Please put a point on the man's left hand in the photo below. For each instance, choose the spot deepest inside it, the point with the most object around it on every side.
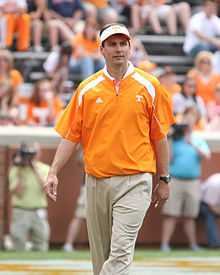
(161, 193)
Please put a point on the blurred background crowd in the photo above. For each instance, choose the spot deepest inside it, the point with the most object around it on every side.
(48, 46)
(60, 41)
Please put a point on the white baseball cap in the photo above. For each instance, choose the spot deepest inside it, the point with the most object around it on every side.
(114, 29)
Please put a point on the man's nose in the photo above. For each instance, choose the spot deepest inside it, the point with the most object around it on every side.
(118, 47)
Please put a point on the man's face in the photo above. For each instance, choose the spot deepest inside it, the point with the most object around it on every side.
(210, 8)
(116, 50)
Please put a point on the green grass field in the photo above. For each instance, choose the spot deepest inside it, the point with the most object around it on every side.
(146, 262)
(140, 254)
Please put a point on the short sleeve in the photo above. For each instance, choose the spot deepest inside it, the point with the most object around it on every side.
(70, 122)
(16, 78)
(162, 115)
(12, 177)
(200, 143)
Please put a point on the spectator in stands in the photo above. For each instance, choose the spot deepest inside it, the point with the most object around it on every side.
(168, 79)
(187, 151)
(7, 71)
(154, 11)
(139, 56)
(139, 53)
(187, 98)
(80, 212)
(43, 107)
(17, 21)
(86, 58)
(39, 14)
(68, 12)
(57, 65)
(203, 26)
(67, 88)
(210, 209)
(99, 4)
(206, 79)
(183, 12)
(128, 13)
(2, 28)
(107, 16)
(8, 111)
(213, 110)
(27, 176)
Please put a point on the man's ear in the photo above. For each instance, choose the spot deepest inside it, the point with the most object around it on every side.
(130, 51)
(101, 49)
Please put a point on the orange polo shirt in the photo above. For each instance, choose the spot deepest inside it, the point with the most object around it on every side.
(116, 127)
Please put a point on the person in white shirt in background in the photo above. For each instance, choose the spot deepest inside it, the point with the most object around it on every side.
(2, 28)
(210, 209)
(202, 26)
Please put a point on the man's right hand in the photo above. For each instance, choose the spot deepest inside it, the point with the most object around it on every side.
(19, 190)
(50, 186)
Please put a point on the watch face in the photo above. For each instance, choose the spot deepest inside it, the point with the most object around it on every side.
(165, 178)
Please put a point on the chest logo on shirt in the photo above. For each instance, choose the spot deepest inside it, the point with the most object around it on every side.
(139, 98)
(99, 100)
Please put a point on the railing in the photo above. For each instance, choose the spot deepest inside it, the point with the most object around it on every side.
(48, 138)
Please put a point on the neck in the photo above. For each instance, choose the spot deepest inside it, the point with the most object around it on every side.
(118, 71)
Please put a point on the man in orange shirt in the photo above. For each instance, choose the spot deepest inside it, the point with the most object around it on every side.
(121, 116)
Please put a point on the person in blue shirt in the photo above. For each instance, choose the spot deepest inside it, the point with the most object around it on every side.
(187, 151)
(64, 15)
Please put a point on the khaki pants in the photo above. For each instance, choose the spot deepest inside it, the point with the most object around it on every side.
(116, 208)
(26, 221)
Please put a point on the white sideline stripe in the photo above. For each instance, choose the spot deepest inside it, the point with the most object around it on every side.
(165, 266)
(89, 86)
(147, 84)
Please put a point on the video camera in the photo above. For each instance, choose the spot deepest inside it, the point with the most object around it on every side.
(178, 131)
(24, 155)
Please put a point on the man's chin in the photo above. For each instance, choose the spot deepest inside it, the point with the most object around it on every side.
(119, 62)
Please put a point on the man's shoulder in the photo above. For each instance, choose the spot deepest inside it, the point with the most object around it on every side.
(92, 80)
(147, 77)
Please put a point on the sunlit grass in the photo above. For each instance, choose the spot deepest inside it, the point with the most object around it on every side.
(140, 254)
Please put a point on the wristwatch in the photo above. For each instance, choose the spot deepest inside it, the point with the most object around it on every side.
(165, 179)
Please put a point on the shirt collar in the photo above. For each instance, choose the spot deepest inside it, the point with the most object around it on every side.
(130, 70)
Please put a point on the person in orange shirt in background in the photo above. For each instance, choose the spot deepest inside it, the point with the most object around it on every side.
(168, 79)
(121, 116)
(10, 81)
(99, 4)
(7, 71)
(206, 79)
(8, 110)
(86, 57)
(213, 111)
(42, 108)
(17, 21)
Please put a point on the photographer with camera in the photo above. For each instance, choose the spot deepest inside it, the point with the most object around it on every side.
(27, 176)
(187, 149)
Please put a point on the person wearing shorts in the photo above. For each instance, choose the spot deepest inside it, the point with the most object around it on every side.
(187, 151)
